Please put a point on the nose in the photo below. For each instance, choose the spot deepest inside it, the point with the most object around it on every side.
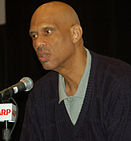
(40, 49)
(38, 43)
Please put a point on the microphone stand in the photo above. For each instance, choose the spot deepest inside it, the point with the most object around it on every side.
(6, 132)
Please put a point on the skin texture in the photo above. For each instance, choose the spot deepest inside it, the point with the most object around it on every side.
(57, 40)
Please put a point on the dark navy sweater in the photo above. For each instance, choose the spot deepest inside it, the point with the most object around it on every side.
(105, 113)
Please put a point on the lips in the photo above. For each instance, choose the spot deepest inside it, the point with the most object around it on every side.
(44, 57)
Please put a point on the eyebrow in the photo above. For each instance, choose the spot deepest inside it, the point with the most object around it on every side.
(42, 28)
(32, 32)
(47, 27)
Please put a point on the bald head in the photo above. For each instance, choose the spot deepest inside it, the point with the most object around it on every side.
(57, 10)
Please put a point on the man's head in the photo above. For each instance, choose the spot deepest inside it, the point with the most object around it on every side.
(57, 35)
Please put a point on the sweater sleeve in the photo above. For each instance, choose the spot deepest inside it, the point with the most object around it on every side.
(118, 121)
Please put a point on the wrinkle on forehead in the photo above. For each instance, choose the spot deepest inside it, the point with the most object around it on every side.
(56, 11)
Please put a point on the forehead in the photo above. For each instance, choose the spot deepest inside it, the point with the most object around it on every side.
(46, 14)
(42, 25)
(40, 21)
(49, 15)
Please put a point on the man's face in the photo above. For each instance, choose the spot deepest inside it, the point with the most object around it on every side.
(52, 41)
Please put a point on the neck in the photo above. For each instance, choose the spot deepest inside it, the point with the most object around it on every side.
(73, 73)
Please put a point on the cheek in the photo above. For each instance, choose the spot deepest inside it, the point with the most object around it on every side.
(56, 45)
(59, 45)
(61, 42)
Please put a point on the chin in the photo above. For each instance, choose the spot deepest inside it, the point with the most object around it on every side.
(48, 66)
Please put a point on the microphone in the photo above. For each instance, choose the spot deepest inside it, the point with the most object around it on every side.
(25, 84)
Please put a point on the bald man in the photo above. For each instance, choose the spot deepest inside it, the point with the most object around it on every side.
(85, 96)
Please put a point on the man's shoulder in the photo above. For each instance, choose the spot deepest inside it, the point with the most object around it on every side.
(46, 83)
(48, 77)
(110, 64)
(110, 76)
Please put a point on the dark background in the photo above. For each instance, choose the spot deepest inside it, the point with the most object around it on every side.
(107, 30)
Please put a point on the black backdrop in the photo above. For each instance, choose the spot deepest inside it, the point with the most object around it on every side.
(107, 30)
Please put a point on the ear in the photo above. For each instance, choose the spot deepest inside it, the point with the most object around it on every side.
(76, 33)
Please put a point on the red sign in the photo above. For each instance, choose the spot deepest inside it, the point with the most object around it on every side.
(5, 111)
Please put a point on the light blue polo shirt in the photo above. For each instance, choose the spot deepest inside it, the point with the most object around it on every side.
(74, 103)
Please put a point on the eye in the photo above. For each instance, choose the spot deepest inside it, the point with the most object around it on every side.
(47, 31)
(34, 36)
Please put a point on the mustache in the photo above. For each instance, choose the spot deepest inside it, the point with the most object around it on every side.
(41, 50)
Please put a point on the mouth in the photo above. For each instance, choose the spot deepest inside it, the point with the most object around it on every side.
(44, 58)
